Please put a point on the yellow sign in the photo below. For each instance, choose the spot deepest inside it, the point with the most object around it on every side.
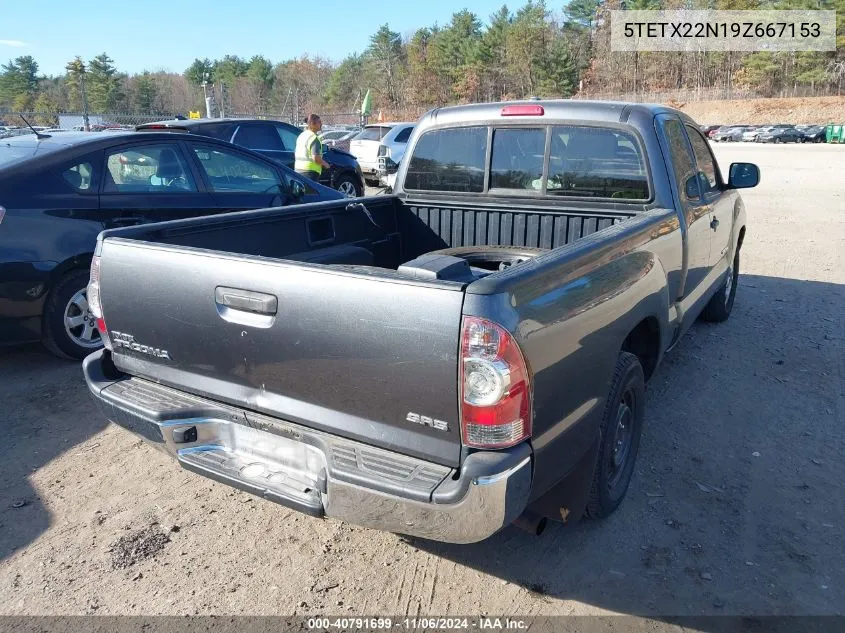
(194, 115)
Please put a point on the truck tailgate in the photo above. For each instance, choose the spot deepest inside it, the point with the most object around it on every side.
(349, 354)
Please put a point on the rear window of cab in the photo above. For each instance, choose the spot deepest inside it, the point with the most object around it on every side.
(557, 161)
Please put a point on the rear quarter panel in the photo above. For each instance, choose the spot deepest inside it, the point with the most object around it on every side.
(570, 311)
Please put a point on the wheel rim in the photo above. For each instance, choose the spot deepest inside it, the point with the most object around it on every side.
(623, 439)
(80, 324)
(347, 188)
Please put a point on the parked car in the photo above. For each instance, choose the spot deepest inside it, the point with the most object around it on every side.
(338, 139)
(494, 321)
(58, 193)
(753, 133)
(375, 141)
(781, 135)
(715, 131)
(731, 134)
(276, 140)
(814, 134)
(392, 149)
(706, 129)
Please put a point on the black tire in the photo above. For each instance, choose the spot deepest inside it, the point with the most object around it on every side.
(719, 307)
(346, 183)
(57, 339)
(621, 428)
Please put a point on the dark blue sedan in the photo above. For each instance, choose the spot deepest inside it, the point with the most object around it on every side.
(58, 192)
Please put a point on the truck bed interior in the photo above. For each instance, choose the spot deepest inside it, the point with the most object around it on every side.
(424, 241)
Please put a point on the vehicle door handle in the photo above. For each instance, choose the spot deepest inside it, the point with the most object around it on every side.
(246, 300)
(714, 223)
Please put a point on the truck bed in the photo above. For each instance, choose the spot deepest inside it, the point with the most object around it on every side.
(330, 315)
(394, 230)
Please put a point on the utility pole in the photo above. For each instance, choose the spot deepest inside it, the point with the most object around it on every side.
(222, 100)
(86, 125)
(205, 79)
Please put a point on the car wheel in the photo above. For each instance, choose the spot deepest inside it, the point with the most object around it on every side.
(621, 428)
(719, 307)
(346, 185)
(777, 140)
(70, 330)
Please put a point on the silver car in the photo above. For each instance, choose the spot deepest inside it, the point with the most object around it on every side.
(731, 134)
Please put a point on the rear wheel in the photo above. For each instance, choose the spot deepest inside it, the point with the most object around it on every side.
(70, 330)
(720, 305)
(621, 428)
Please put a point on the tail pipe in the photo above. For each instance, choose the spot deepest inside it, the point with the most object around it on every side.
(531, 522)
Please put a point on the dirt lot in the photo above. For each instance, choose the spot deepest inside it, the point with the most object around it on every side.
(815, 110)
(735, 507)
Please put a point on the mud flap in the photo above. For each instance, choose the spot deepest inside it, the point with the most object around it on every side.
(567, 500)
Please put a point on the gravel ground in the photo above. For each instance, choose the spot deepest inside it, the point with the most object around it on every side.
(735, 507)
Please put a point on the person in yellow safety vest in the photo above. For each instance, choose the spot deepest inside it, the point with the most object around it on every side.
(309, 150)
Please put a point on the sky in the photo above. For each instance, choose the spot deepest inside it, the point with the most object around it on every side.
(157, 35)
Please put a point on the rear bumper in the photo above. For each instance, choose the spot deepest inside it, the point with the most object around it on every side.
(368, 167)
(317, 473)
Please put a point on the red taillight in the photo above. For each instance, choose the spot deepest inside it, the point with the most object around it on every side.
(495, 387)
(523, 110)
(95, 303)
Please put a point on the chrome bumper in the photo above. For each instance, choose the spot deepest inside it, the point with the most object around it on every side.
(317, 473)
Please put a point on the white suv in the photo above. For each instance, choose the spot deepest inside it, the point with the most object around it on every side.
(380, 143)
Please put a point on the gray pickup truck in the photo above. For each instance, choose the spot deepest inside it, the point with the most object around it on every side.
(468, 353)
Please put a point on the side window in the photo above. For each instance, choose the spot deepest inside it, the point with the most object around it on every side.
(517, 161)
(449, 160)
(682, 163)
(158, 168)
(231, 171)
(258, 136)
(705, 161)
(79, 176)
(288, 137)
(404, 135)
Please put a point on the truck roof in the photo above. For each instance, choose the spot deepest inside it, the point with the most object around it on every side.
(563, 109)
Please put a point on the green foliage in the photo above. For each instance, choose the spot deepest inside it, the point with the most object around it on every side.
(385, 61)
(229, 69)
(201, 70)
(345, 83)
(19, 83)
(145, 93)
(75, 82)
(104, 85)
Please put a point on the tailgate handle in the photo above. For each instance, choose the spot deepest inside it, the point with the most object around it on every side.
(246, 300)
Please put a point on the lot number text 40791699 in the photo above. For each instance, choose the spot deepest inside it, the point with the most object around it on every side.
(419, 623)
